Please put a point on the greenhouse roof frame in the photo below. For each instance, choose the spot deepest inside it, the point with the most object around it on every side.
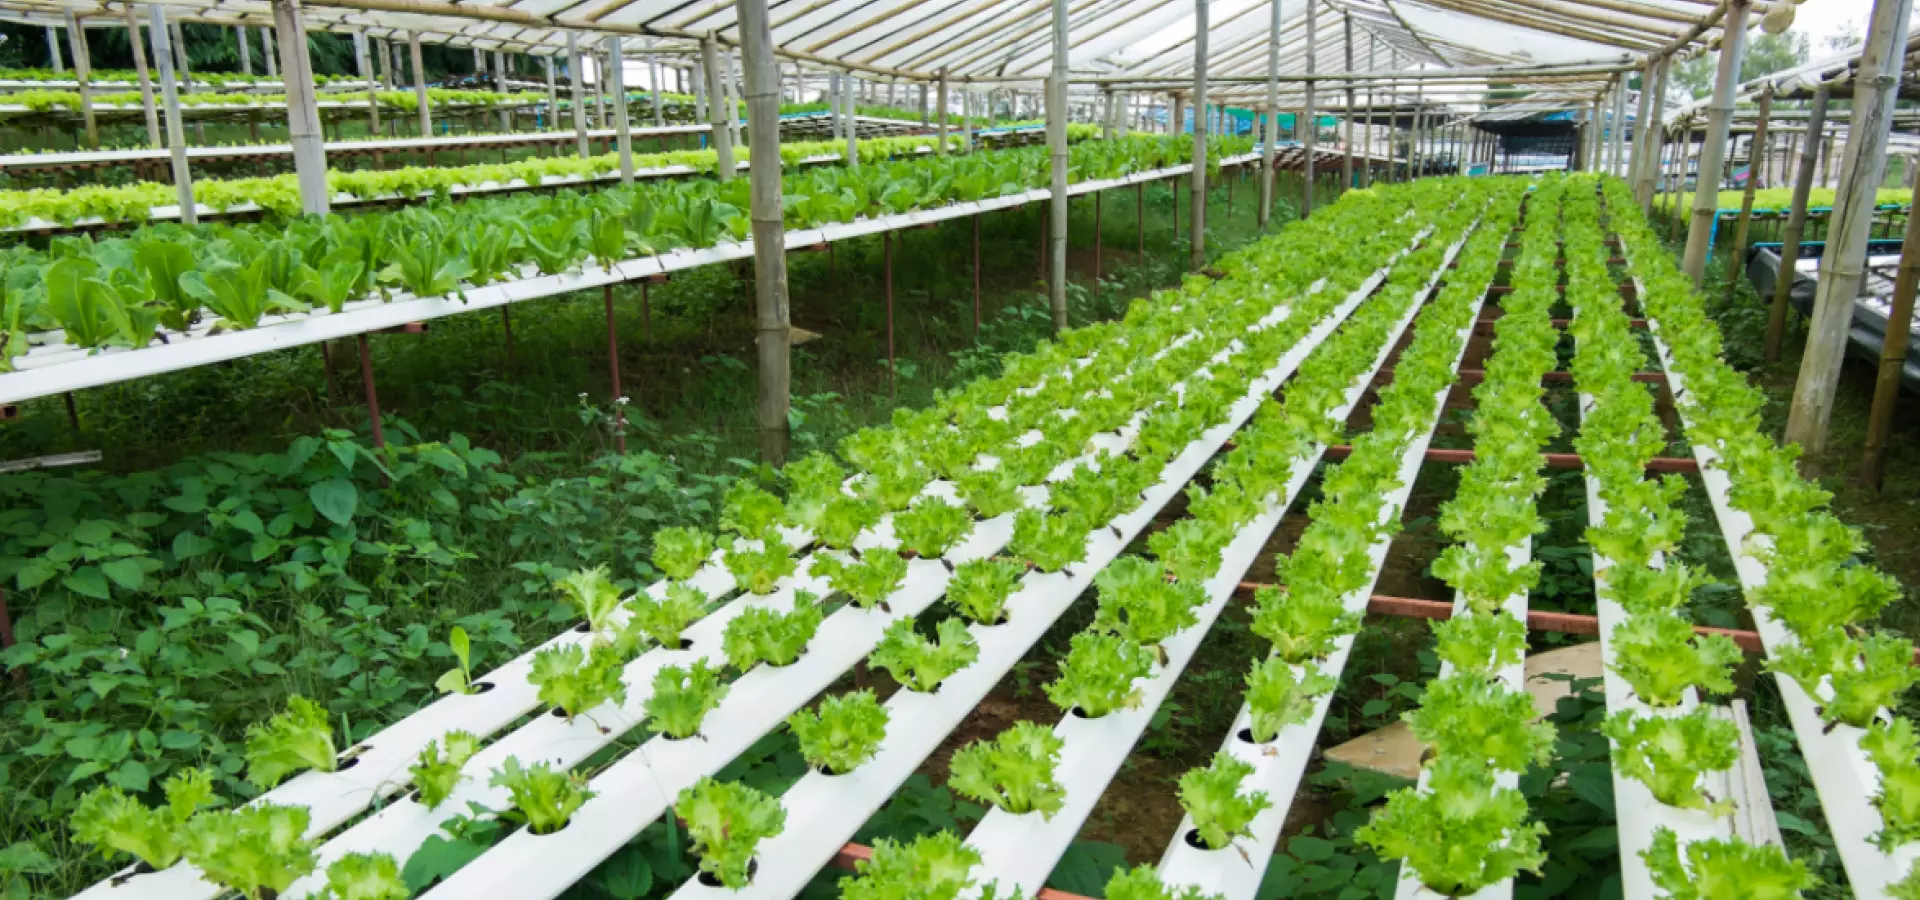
(1141, 44)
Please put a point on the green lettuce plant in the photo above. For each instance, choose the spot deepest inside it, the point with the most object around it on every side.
(919, 664)
(1014, 771)
(543, 799)
(842, 733)
(1211, 796)
(727, 820)
(295, 739)
(437, 771)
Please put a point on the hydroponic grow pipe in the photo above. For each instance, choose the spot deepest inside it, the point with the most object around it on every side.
(824, 811)
(49, 370)
(1234, 873)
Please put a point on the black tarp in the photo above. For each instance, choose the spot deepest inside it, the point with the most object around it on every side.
(1869, 312)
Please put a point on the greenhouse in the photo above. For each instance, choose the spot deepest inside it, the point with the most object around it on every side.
(955, 449)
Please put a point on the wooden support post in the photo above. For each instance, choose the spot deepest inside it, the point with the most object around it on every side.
(500, 84)
(139, 48)
(654, 91)
(1057, 152)
(1097, 246)
(176, 128)
(576, 75)
(940, 126)
(1796, 225)
(53, 50)
(771, 325)
(423, 108)
(849, 125)
(303, 116)
(1617, 130)
(267, 53)
(622, 127)
(1842, 266)
(1713, 152)
(886, 279)
(1198, 246)
(1648, 146)
(553, 95)
(1271, 135)
(616, 393)
(1309, 120)
(365, 70)
(506, 329)
(1736, 254)
(1346, 116)
(732, 93)
(83, 73)
(976, 275)
(1893, 353)
(366, 355)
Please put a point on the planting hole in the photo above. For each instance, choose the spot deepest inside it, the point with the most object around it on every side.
(711, 880)
(1193, 840)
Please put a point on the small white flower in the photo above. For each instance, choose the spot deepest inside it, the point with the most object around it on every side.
(622, 401)
(583, 395)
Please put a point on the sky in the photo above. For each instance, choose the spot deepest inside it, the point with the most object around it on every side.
(1819, 18)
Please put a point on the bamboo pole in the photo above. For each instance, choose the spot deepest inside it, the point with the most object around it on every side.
(1616, 153)
(622, 126)
(139, 48)
(365, 67)
(553, 94)
(53, 49)
(83, 73)
(940, 127)
(576, 73)
(1057, 147)
(731, 74)
(303, 116)
(833, 105)
(1756, 161)
(1272, 134)
(176, 130)
(1198, 246)
(267, 53)
(240, 40)
(849, 97)
(654, 91)
(1346, 115)
(1366, 171)
(1713, 151)
(1307, 118)
(699, 92)
(1647, 133)
(1893, 352)
(500, 84)
(719, 114)
(1843, 263)
(773, 334)
(422, 107)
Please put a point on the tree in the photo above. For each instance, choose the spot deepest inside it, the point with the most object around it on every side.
(1766, 54)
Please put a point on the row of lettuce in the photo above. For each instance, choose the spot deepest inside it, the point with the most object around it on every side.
(1672, 742)
(126, 204)
(405, 101)
(1463, 828)
(989, 439)
(127, 291)
(1815, 586)
(280, 194)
